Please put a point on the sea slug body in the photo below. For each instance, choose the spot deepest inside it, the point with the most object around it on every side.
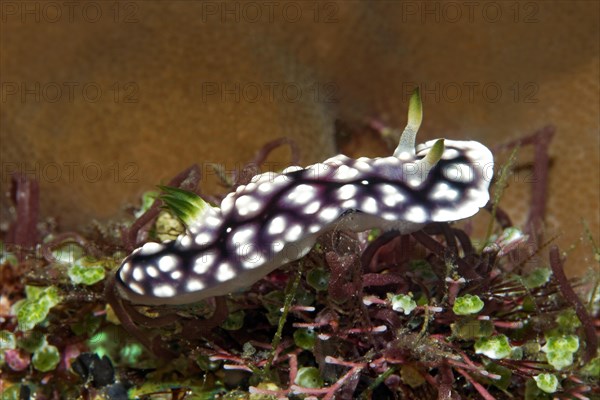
(276, 218)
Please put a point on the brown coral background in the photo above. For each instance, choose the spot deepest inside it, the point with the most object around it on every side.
(352, 60)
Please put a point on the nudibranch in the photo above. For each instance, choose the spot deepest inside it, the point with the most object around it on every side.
(277, 217)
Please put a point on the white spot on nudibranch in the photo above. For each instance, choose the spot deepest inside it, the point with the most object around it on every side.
(281, 179)
(277, 246)
(321, 171)
(243, 201)
(167, 263)
(265, 187)
(151, 248)
(164, 290)
(390, 162)
(225, 272)
(265, 177)
(406, 155)
(392, 200)
(345, 172)
(247, 205)
(444, 215)
(459, 173)
(194, 285)
(138, 273)
(203, 263)
(194, 229)
(253, 259)
(443, 191)
(125, 268)
(302, 194)
(292, 168)
(202, 239)
(348, 204)
(212, 221)
(136, 288)
(369, 205)
(389, 216)
(347, 192)
(242, 236)
(152, 271)
(276, 226)
(414, 182)
(449, 154)
(386, 188)
(312, 207)
(184, 240)
(416, 214)
(175, 275)
(293, 233)
(227, 203)
(329, 214)
(380, 162)
(251, 187)
(362, 164)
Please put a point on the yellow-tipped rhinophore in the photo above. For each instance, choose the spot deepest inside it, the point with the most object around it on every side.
(435, 153)
(415, 116)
